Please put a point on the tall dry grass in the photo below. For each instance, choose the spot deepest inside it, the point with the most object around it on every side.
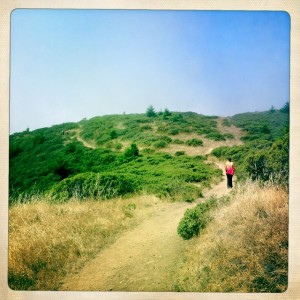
(244, 248)
(47, 241)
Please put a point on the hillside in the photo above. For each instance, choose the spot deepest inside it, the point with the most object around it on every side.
(168, 204)
(137, 152)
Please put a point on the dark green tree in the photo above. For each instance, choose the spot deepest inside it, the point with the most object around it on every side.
(150, 112)
(285, 108)
(132, 151)
(166, 113)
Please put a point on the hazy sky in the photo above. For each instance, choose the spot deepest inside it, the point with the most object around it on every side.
(67, 65)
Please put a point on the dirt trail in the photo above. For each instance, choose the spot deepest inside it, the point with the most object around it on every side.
(146, 258)
(84, 142)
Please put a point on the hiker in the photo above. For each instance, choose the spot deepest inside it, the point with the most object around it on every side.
(229, 168)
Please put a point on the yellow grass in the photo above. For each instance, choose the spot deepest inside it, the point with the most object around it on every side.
(47, 241)
(244, 248)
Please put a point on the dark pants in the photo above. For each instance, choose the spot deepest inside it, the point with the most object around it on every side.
(229, 180)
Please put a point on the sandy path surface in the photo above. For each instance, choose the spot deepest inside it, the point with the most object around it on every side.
(144, 259)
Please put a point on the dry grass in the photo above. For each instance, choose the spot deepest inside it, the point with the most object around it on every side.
(245, 247)
(47, 241)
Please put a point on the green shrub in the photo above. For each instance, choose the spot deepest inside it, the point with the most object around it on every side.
(177, 118)
(146, 127)
(228, 136)
(147, 151)
(178, 142)
(118, 146)
(130, 153)
(194, 142)
(173, 131)
(160, 144)
(195, 219)
(179, 153)
(93, 185)
(189, 226)
(216, 136)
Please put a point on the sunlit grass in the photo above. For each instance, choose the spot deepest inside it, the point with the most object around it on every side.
(244, 248)
(47, 241)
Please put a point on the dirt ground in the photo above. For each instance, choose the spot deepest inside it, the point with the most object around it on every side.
(146, 258)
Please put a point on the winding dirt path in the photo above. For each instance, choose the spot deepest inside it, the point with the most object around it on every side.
(146, 258)
(84, 142)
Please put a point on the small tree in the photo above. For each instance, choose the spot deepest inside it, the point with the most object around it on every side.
(285, 108)
(150, 112)
(132, 151)
(166, 113)
(272, 109)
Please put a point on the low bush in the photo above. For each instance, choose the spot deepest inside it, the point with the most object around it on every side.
(146, 127)
(178, 142)
(179, 153)
(194, 142)
(216, 136)
(93, 185)
(195, 219)
(228, 136)
(159, 144)
(173, 131)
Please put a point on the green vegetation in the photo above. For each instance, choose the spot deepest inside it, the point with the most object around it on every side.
(41, 159)
(92, 185)
(61, 171)
(244, 246)
(256, 253)
(194, 142)
(196, 219)
(48, 159)
(264, 155)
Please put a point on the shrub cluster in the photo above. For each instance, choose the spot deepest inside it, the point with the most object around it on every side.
(194, 142)
(195, 219)
(93, 185)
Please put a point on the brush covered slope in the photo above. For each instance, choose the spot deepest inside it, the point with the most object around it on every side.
(240, 243)
(57, 173)
(264, 155)
(120, 154)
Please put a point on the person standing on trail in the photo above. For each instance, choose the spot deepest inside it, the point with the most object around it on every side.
(229, 168)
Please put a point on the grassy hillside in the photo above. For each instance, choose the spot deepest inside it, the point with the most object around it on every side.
(265, 152)
(129, 147)
(238, 243)
(143, 152)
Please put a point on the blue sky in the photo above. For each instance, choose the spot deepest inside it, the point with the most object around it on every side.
(67, 65)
